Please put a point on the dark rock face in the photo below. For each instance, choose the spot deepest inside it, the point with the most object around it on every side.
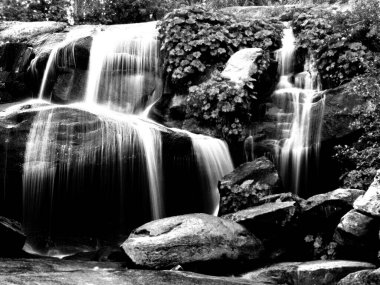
(322, 212)
(12, 238)
(54, 271)
(243, 187)
(363, 277)
(308, 273)
(14, 61)
(338, 112)
(190, 239)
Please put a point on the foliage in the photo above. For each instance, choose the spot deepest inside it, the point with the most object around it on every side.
(36, 10)
(360, 161)
(321, 248)
(342, 42)
(222, 104)
(193, 39)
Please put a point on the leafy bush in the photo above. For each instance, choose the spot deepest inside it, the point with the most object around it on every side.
(360, 161)
(321, 249)
(36, 10)
(342, 42)
(221, 104)
(193, 39)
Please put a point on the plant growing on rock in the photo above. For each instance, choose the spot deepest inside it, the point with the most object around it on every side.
(341, 42)
(320, 247)
(360, 160)
(193, 39)
(221, 104)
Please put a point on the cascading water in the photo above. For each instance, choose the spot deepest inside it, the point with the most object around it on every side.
(300, 119)
(93, 168)
(122, 67)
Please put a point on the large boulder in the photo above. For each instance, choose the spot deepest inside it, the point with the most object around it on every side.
(308, 273)
(12, 237)
(363, 277)
(249, 182)
(191, 239)
(370, 202)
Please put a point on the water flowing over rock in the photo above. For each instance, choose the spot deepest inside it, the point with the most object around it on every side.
(107, 166)
(243, 187)
(189, 239)
(298, 119)
(309, 273)
(121, 71)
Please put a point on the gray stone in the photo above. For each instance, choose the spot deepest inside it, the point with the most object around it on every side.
(264, 217)
(242, 65)
(192, 238)
(363, 277)
(358, 224)
(54, 271)
(309, 273)
(249, 182)
(370, 201)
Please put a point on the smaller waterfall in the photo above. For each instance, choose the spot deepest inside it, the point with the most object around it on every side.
(299, 122)
(123, 63)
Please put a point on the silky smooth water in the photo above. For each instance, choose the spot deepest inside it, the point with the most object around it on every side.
(300, 119)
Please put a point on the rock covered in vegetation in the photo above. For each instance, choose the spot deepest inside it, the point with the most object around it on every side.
(12, 237)
(309, 273)
(189, 239)
(243, 187)
(242, 65)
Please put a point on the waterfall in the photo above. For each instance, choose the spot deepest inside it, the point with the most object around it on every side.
(101, 166)
(300, 119)
(123, 63)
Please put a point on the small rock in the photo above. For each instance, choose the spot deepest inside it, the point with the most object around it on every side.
(192, 238)
(370, 201)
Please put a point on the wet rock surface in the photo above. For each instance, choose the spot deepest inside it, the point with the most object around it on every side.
(189, 239)
(308, 273)
(12, 237)
(54, 271)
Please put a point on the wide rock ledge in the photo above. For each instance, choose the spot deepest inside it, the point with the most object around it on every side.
(190, 239)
